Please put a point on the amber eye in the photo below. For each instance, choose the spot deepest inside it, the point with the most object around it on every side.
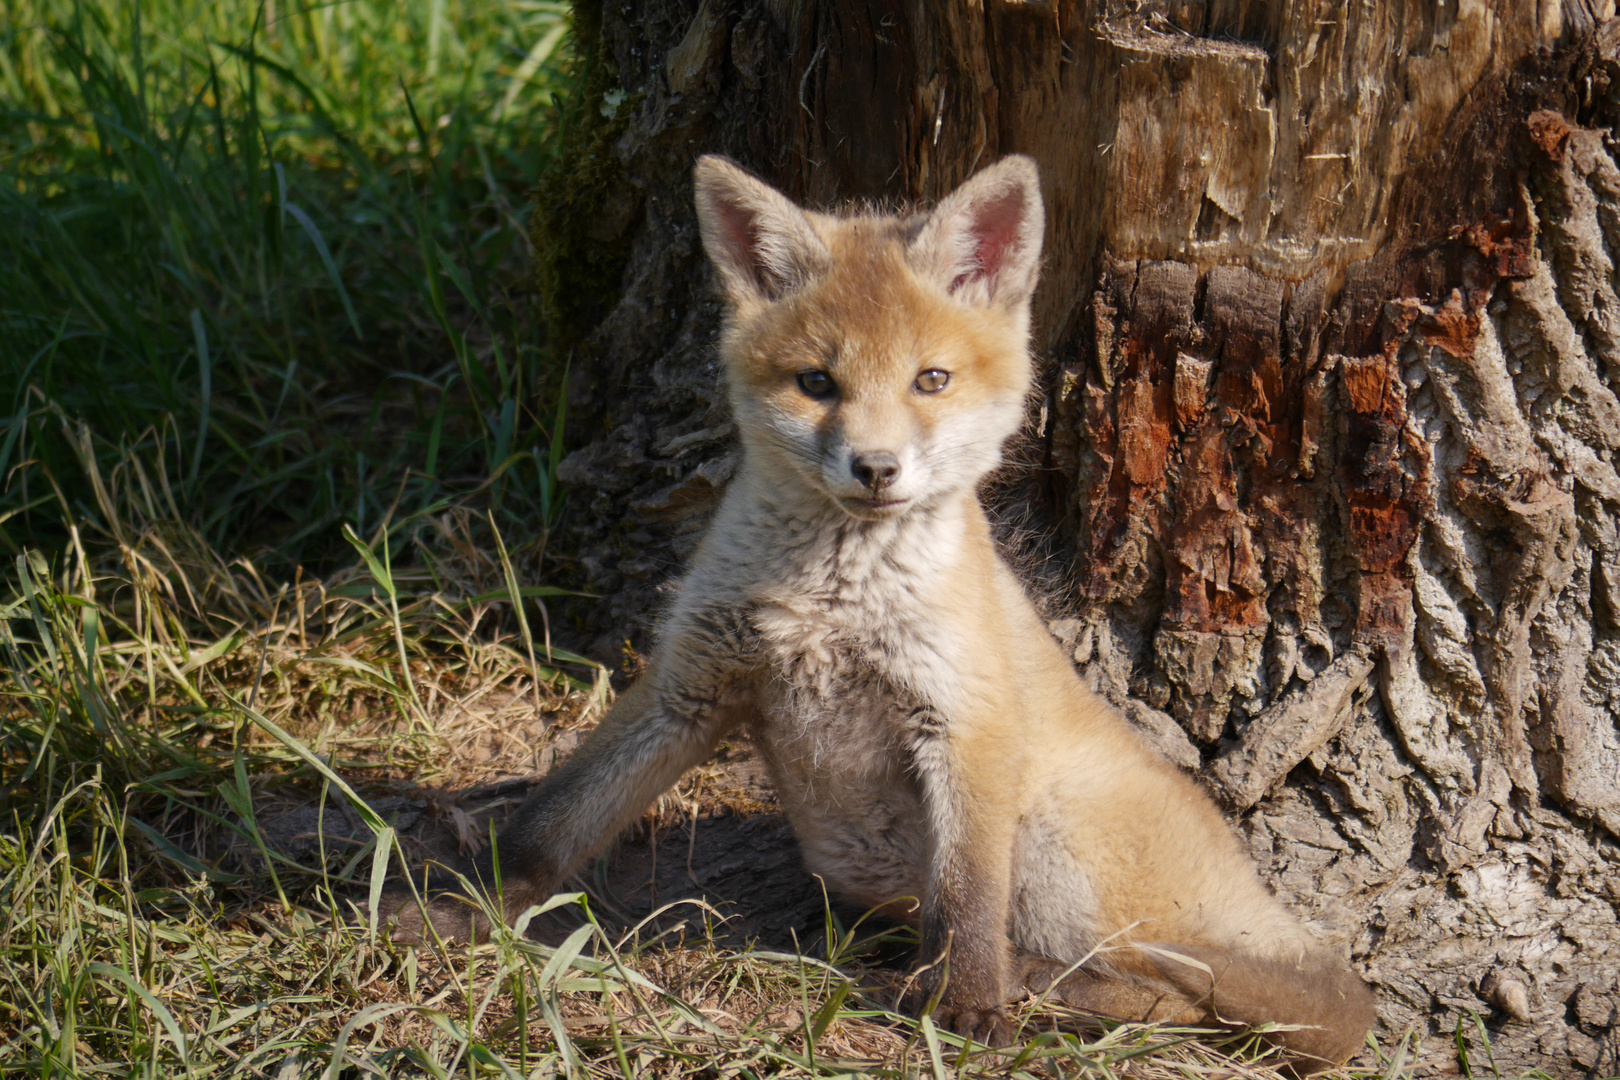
(933, 380)
(817, 384)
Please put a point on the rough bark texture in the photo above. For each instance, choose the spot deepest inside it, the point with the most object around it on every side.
(1325, 462)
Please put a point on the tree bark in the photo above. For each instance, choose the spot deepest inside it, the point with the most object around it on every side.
(1322, 475)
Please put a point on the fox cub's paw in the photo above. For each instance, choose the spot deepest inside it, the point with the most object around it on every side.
(984, 1024)
(448, 912)
(449, 916)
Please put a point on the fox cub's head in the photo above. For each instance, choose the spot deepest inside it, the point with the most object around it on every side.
(878, 361)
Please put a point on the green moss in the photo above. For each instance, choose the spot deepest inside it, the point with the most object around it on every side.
(585, 210)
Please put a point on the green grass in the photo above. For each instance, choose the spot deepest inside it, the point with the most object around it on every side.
(155, 704)
(274, 257)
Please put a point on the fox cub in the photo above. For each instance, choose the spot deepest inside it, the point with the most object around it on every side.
(926, 735)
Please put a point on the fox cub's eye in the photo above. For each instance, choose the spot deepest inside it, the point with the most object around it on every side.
(817, 384)
(933, 380)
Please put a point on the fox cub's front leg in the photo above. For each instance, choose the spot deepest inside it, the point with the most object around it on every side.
(965, 909)
(698, 688)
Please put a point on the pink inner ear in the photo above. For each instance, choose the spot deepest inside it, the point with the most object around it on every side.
(994, 226)
(741, 236)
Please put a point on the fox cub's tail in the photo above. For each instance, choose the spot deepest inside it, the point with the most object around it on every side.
(1329, 1005)
(1326, 1007)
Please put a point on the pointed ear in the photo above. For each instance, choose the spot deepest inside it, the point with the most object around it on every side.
(982, 244)
(762, 245)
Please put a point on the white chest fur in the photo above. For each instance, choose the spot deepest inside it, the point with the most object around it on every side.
(849, 624)
(852, 601)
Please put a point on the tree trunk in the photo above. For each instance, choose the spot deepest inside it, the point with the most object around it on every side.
(1323, 473)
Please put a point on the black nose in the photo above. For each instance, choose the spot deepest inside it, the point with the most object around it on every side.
(876, 470)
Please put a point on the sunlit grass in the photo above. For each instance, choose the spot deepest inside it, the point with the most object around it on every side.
(157, 703)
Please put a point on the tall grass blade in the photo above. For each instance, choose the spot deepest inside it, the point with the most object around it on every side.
(538, 55)
(153, 1005)
(205, 396)
(315, 237)
(372, 819)
(379, 876)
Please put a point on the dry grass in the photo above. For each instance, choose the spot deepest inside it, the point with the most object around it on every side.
(167, 715)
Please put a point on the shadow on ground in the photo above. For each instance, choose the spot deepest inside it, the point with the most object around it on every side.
(719, 838)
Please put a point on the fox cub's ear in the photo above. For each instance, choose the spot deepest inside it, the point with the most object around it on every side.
(762, 245)
(982, 244)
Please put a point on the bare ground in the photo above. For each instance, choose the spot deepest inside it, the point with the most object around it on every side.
(719, 837)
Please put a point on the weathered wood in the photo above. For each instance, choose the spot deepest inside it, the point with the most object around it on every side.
(1331, 343)
(1289, 731)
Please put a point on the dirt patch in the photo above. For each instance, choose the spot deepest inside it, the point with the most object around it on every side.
(718, 837)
